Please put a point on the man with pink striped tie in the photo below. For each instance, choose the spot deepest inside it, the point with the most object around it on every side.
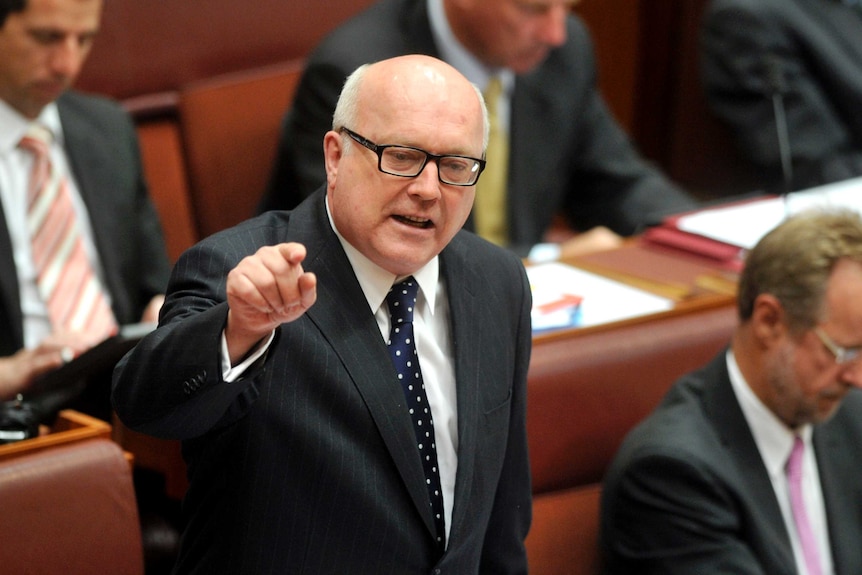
(81, 248)
(751, 465)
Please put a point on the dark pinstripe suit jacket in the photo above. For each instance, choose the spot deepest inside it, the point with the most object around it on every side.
(307, 464)
(688, 492)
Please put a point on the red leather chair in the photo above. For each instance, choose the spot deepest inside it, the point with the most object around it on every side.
(69, 509)
(584, 394)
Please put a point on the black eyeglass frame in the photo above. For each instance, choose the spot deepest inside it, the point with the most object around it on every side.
(378, 149)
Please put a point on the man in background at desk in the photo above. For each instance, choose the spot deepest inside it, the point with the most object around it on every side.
(281, 359)
(555, 147)
(786, 76)
(81, 248)
(751, 465)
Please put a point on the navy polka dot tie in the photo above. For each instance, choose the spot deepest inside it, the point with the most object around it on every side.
(401, 300)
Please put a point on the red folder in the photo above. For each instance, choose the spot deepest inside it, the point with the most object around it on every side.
(668, 235)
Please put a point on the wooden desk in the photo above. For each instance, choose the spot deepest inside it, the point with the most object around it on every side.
(691, 282)
(71, 426)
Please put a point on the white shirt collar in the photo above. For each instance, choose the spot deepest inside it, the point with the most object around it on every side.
(376, 282)
(773, 438)
(13, 125)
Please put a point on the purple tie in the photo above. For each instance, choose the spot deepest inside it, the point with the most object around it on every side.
(401, 300)
(797, 504)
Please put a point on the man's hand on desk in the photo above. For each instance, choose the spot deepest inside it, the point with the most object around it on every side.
(564, 243)
(597, 239)
(19, 371)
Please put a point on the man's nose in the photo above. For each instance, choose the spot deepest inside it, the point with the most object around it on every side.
(552, 29)
(68, 57)
(852, 374)
(427, 183)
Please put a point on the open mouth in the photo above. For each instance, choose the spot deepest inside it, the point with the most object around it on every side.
(420, 223)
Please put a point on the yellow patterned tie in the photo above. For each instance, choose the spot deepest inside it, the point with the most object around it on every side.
(489, 209)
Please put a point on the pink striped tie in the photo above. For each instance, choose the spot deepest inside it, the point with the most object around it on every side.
(797, 505)
(67, 283)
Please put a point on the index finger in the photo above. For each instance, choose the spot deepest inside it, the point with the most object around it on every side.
(292, 252)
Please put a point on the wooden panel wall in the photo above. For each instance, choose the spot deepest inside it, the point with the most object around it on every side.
(615, 27)
(148, 46)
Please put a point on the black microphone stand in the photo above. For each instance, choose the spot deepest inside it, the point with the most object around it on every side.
(778, 88)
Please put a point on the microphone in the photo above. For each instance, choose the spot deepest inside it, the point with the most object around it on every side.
(777, 85)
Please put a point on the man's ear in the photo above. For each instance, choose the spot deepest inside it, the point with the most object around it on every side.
(333, 150)
(768, 320)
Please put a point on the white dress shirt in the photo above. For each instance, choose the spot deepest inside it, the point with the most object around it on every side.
(775, 441)
(434, 346)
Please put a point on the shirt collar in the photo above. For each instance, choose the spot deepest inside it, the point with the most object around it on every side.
(453, 52)
(376, 282)
(13, 125)
(773, 438)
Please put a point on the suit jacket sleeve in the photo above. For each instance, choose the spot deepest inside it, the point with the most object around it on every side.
(750, 50)
(667, 514)
(612, 184)
(571, 156)
(183, 356)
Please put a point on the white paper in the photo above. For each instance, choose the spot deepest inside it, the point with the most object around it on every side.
(744, 224)
(603, 300)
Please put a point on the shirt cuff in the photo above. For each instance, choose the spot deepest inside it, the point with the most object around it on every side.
(541, 253)
(230, 373)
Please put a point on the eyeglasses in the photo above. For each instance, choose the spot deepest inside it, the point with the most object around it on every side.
(408, 162)
(843, 355)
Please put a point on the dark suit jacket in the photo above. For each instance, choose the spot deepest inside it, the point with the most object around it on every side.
(688, 491)
(307, 464)
(102, 148)
(813, 49)
(568, 154)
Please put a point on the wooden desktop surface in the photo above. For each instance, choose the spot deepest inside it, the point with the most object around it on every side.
(692, 282)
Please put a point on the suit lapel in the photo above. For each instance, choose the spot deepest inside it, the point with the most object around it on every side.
(838, 466)
(341, 314)
(93, 172)
(722, 408)
(462, 287)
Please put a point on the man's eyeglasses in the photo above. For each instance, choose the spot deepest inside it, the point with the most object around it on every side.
(843, 355)
(408, 162)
